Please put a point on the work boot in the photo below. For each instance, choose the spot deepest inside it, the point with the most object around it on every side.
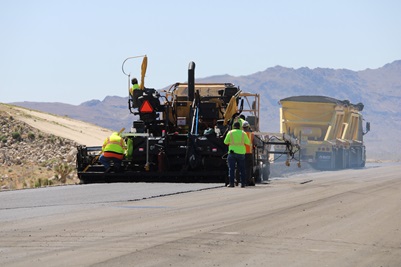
(230, 185)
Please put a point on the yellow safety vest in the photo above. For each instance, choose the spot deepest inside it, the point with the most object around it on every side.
(240, 120)
(133, 87)
(236, 140)
(114, 143)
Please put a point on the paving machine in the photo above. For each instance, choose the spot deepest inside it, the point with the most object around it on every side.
(178, 136)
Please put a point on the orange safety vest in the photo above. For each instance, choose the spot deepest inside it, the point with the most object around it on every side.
(249, 148)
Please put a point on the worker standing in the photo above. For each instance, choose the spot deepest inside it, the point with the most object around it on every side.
(248, 153)
(113, 150)
(240, 119)
(236, 140)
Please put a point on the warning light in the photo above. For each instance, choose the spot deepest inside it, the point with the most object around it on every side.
(146, 107)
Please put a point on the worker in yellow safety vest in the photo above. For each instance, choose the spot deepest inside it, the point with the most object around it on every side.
(135, 92)
(134, 86)
(236, 139)
(240, 119)
(113, 150)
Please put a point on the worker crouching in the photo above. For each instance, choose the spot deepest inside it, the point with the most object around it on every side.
(113, 150)
(236, 140)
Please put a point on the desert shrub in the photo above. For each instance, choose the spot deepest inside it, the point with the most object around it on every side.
(62, 170)
(31, 136)
(52, 139)
(16, 136)
(38, 183)
(43, 182)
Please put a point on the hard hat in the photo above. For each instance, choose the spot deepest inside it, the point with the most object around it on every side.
(245, 124)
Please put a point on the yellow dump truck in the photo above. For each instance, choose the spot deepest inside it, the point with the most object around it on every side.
(329, 131)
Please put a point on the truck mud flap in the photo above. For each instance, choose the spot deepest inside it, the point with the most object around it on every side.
(324, 161)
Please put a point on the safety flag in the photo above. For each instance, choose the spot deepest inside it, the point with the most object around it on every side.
(143, 72)
(230, 110)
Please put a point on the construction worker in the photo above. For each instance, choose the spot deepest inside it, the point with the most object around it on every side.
(113, 150)
(240, 119)
(236, 139)
(249, 153)
(135, 92)
(134, 86)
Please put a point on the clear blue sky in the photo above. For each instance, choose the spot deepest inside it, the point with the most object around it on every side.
(71, 51)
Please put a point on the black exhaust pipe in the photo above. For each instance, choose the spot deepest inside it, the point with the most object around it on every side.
(191, 81)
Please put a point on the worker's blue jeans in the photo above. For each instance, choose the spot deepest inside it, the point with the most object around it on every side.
(239, 160)
(106, 162)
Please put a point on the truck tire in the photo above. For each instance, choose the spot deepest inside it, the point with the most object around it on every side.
(251, 181)
(257, 175)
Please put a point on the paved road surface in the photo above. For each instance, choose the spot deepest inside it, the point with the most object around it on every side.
(342, 218)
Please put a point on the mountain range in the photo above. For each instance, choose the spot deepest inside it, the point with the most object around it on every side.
(378, 89)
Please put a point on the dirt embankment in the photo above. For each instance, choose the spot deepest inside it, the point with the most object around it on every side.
(39, 149)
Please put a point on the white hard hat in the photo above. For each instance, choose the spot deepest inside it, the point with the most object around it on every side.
(245, 124)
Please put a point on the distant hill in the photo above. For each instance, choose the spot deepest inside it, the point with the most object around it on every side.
(378, 89)
(111, 113)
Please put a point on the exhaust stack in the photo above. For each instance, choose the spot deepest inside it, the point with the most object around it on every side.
(191, 81)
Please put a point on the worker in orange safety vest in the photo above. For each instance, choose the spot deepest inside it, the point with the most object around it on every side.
(249, 153)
